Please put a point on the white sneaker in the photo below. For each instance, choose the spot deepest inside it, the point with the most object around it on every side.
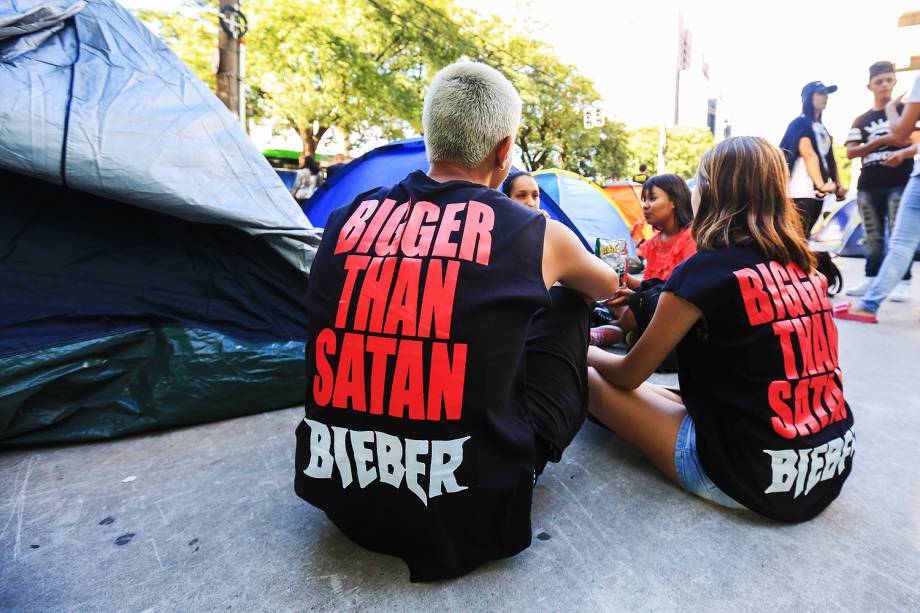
(901, 293)
(862, 288)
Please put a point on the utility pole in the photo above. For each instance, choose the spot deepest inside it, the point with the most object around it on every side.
(232, 29)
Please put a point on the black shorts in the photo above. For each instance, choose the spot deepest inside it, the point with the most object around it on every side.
(809, 210)
(557, 373)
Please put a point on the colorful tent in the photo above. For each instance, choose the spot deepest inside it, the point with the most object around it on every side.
(588, 208)
(627, 197)
(153, 265)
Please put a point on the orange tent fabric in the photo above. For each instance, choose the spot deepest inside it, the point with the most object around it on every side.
(626, 195)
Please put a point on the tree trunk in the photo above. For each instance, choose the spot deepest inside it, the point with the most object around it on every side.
(308, 146)
(346, 143)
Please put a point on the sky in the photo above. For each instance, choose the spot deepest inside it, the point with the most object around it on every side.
(760, 53)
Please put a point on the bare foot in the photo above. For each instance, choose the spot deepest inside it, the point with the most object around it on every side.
(855, 313)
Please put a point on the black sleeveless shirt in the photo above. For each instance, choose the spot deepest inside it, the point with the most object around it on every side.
(415, 441)
(761, 379)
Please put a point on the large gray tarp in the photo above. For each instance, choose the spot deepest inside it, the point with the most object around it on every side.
(90, 98)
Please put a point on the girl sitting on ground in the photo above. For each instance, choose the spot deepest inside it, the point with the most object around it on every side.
(522, 187)
(666, 205)
(760, 421)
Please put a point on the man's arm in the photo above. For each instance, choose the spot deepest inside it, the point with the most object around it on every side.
(856, 150)
(902, 124)
(898, 157)
(567, 261)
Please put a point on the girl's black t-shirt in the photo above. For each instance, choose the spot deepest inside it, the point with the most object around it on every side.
(416, 442)
(759, 375)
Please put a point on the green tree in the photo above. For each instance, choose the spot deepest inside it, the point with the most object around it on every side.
(599, 154)
(353, 65)
(555, 96)
(643, 149)
(357, 63)
(844, 165)
(684, 146)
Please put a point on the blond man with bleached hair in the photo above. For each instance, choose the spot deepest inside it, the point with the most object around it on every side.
(424, 434)
(469, 108)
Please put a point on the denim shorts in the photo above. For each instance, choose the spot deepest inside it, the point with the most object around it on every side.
(690, 473)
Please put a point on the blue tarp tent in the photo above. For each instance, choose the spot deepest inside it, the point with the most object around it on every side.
(152, 264)
(585, 211)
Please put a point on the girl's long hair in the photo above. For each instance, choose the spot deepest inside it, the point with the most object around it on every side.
(743, 200)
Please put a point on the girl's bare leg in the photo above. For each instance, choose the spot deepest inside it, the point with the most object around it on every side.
(648, 418)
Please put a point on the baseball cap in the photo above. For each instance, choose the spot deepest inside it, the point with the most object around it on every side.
(880, 68)
(817, 87)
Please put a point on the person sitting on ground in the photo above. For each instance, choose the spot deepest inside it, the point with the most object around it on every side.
(522, 187)
(905, 237)
(760, 421)
(424, 433)
(666, 205)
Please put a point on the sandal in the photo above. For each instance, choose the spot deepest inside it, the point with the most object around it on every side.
(842, 311)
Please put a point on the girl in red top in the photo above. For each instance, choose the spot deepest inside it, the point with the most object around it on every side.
(666, 204)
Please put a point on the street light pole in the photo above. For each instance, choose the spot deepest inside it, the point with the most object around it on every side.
(232, 29)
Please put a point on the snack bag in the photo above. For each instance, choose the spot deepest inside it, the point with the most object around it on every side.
(614, 252)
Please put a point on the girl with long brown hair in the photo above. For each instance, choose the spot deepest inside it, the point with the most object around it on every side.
(760, 421)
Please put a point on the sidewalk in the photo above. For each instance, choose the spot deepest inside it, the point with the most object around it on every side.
(205, 518)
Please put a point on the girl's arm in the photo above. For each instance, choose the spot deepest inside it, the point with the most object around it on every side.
(672, 320)
(813, 164)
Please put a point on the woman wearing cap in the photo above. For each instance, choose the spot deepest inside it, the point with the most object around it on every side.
(809, 152)
(809, 155)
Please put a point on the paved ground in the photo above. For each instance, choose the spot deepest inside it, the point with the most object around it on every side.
(205, 518)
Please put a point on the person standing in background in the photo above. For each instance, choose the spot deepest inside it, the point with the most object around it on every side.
(808, 148)
(905, 237)
(643, 175)
(887, 161)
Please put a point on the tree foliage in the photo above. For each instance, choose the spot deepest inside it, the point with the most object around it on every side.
(354, 65)
(684, 146)
(844, 165)
(555, 96)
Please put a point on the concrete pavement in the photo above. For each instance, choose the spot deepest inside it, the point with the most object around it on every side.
(205, 518)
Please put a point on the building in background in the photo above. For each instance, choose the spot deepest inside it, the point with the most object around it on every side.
(698, 102)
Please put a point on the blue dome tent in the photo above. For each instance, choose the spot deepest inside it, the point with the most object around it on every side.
(385, 165)
(589, 210)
